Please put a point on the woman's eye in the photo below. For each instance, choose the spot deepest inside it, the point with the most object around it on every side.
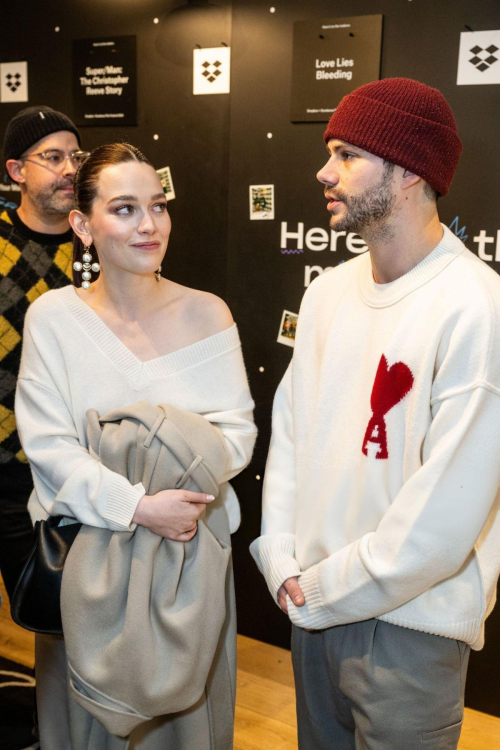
(160, 207)
(124, 210)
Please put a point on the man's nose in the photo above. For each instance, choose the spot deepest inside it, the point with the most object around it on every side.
(69, 169)
(328, 174)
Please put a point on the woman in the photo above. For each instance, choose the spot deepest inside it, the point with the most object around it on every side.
(129, 336)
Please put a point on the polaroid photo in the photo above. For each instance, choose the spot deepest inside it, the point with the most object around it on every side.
(166, 182)
(261, 202)
(288, 327)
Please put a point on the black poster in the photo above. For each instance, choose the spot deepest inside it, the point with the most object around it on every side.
(330, 59)
(105, 81)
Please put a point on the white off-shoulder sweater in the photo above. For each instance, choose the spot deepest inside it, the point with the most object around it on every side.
(381, 488)
(71, 362)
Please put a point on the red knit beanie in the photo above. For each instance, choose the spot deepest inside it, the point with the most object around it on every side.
(404, 122)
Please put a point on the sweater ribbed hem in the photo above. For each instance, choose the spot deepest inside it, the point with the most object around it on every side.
(384, 295)
(275, 559)
(140, 374)
(470, 631)
(122, 501)
(313, 615)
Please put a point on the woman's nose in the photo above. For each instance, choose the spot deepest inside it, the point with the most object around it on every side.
(146, 224)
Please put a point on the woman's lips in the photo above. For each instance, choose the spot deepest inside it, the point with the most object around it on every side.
(147, 245)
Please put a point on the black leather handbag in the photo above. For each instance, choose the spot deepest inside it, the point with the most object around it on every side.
(36, 604)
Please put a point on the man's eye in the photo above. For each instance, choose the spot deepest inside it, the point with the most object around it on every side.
(346, 155)
(54, 158)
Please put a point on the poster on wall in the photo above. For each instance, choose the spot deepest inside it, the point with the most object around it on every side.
(211, 70)
(479, 58)
(14, 82)
(331, 58)
(105, 81)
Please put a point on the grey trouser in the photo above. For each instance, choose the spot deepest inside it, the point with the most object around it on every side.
(375, 686)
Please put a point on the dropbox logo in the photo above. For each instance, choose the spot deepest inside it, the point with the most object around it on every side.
(483, 58)
(13, 81)
(212, 70)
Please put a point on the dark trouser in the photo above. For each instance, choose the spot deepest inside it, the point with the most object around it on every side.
(375, 686)
(16, 529)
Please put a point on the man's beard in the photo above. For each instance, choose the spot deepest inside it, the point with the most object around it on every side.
(52, 201)
(368, 210)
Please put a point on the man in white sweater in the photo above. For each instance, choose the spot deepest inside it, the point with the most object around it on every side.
(381, 524)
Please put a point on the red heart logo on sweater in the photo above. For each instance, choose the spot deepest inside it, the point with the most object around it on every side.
(390, 387)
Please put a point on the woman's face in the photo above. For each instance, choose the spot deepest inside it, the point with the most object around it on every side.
(129, 224)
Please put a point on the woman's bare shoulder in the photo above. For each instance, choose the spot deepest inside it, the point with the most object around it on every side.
(206, 312)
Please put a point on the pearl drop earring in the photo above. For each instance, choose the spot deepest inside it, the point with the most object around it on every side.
(87, 266)
(158, 274)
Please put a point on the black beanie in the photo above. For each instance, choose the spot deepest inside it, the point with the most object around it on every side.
(32, 124)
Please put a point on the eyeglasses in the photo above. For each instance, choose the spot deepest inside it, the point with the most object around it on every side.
(56, 158)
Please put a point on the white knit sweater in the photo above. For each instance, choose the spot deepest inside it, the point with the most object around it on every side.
(71, 362)
(381, 489)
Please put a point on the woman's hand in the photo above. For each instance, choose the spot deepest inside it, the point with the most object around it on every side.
(172, 514)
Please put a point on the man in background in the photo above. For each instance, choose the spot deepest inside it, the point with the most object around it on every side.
(41, 153)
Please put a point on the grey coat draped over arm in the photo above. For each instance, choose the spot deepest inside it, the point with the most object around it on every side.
(142, 615)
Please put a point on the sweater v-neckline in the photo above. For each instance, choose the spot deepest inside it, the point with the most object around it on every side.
(137, 372)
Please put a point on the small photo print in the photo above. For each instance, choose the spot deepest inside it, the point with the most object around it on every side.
(288, 327)
(166, 182)
(261, 202)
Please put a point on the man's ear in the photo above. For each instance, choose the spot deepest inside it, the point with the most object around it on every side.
(409, 179)
(79, 224)
(15, 170)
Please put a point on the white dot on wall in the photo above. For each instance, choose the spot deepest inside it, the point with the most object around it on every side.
(156, 136)
(269, 135)
(156, 20)
(58, 28)
(261, 369)
(272, 10)
(257, 476)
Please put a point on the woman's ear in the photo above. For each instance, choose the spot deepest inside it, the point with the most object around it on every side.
(79, 224)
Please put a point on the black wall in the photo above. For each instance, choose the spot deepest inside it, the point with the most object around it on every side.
(217, 146)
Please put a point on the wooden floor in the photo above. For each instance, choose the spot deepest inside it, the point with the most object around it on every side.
(265, 701)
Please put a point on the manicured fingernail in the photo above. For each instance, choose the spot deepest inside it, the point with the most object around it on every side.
(210, 497)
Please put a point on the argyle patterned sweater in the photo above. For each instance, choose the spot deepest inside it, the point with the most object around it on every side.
(381, 489)
(30, 264)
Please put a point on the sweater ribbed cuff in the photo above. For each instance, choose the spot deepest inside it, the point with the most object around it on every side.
(274, 555)
(122, 501)
(313, 614)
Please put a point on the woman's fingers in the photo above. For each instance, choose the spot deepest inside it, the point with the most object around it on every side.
(187, 535)
(197, 497)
